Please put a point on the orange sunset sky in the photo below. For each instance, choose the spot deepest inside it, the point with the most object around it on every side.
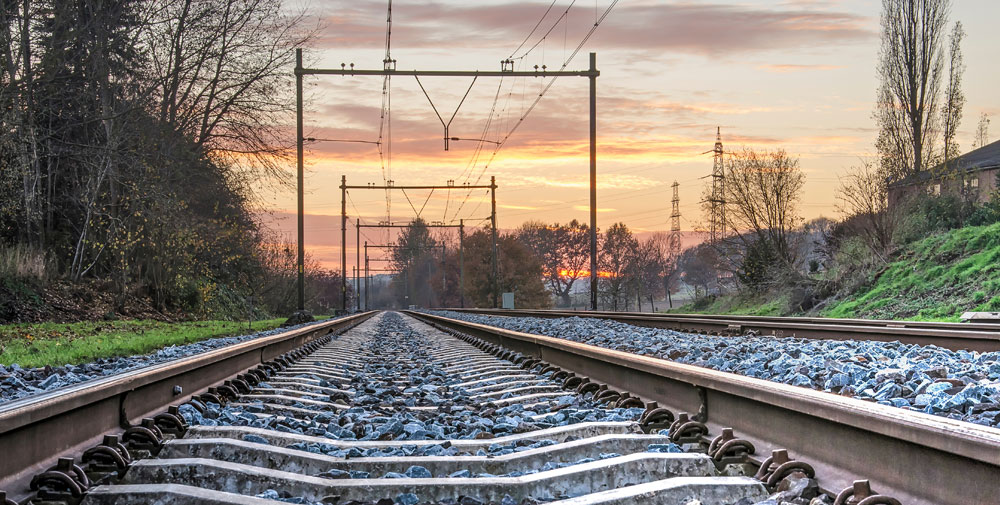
(797, 75)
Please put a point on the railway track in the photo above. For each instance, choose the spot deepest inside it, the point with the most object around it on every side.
(982, 337)
(916, 457)
(37, 430)
(400, 410)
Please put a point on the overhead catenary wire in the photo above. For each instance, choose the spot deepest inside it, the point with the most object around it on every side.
(544, 90)
(355, 207)
(385, 131)
(622, 195)
(547, 33)
(532, 32)
(385, 121)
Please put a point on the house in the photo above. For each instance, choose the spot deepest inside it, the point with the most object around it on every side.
(972, 175)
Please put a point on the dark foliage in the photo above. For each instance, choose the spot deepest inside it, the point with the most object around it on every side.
(109, 187)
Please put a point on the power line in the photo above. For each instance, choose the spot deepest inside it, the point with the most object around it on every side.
(545, 89)
(554, 25)
(541, 94)
(532, 32)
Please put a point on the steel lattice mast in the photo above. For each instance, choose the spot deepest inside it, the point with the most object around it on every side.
(718, 197)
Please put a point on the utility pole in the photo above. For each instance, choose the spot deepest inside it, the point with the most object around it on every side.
(367, 283)
(343, 243)
(357, 269)
(461, 263)
(593, 180)
(493, 225)
(299, 175)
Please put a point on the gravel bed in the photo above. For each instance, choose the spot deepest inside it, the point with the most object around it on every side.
(376, 411)
(17, 382)
(961, 385)
(377, 394)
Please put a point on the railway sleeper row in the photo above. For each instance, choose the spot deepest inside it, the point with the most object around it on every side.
(259, 438)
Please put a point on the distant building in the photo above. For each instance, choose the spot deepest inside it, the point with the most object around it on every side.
(973, 174)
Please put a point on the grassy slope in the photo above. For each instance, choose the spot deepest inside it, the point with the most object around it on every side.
(736, 305)
(40, 344)
(936, 278)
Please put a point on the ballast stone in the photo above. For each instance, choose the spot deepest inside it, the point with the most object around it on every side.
(909, 376)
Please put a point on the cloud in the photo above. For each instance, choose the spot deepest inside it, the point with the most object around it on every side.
(599, 209)
(720, 29)
(788, 67)
(712, 29)
(605, 181)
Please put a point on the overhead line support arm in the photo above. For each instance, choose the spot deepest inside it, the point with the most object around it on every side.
(446, 73)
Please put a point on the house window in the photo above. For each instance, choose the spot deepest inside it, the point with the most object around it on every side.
(974, 183)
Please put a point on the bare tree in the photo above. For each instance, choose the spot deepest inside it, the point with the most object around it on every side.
(618, 251)
(652, 266)
(982, 132)
(699, 268)
(954, 99)
(671, 270)
(564, 251)
(18, 134)
(762, 191)
(864, 195)
(221, 74)
(910, 72)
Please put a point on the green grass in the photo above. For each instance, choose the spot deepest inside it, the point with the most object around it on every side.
(736, 305)
(41, 344)
(936, 279)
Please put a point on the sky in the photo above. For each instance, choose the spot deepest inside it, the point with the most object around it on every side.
(797, 75)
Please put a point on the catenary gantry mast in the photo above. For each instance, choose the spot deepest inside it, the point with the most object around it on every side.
(494, 277)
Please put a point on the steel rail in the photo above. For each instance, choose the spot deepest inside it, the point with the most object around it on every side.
(982, 337)
(891, 323)
(34, 431)
(918, 458)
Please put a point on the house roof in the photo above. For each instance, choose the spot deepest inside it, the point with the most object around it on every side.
(984, 158)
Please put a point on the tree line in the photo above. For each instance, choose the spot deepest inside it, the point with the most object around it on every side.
(542, 264)
(133, 135)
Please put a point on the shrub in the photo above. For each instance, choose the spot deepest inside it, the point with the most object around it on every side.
(987, 213)
(927, 214)
(759, 266)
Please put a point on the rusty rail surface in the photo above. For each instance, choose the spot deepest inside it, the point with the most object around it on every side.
(918, 458)
(982, 337)
(34, 431)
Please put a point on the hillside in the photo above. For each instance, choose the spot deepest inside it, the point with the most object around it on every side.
(937, 278)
